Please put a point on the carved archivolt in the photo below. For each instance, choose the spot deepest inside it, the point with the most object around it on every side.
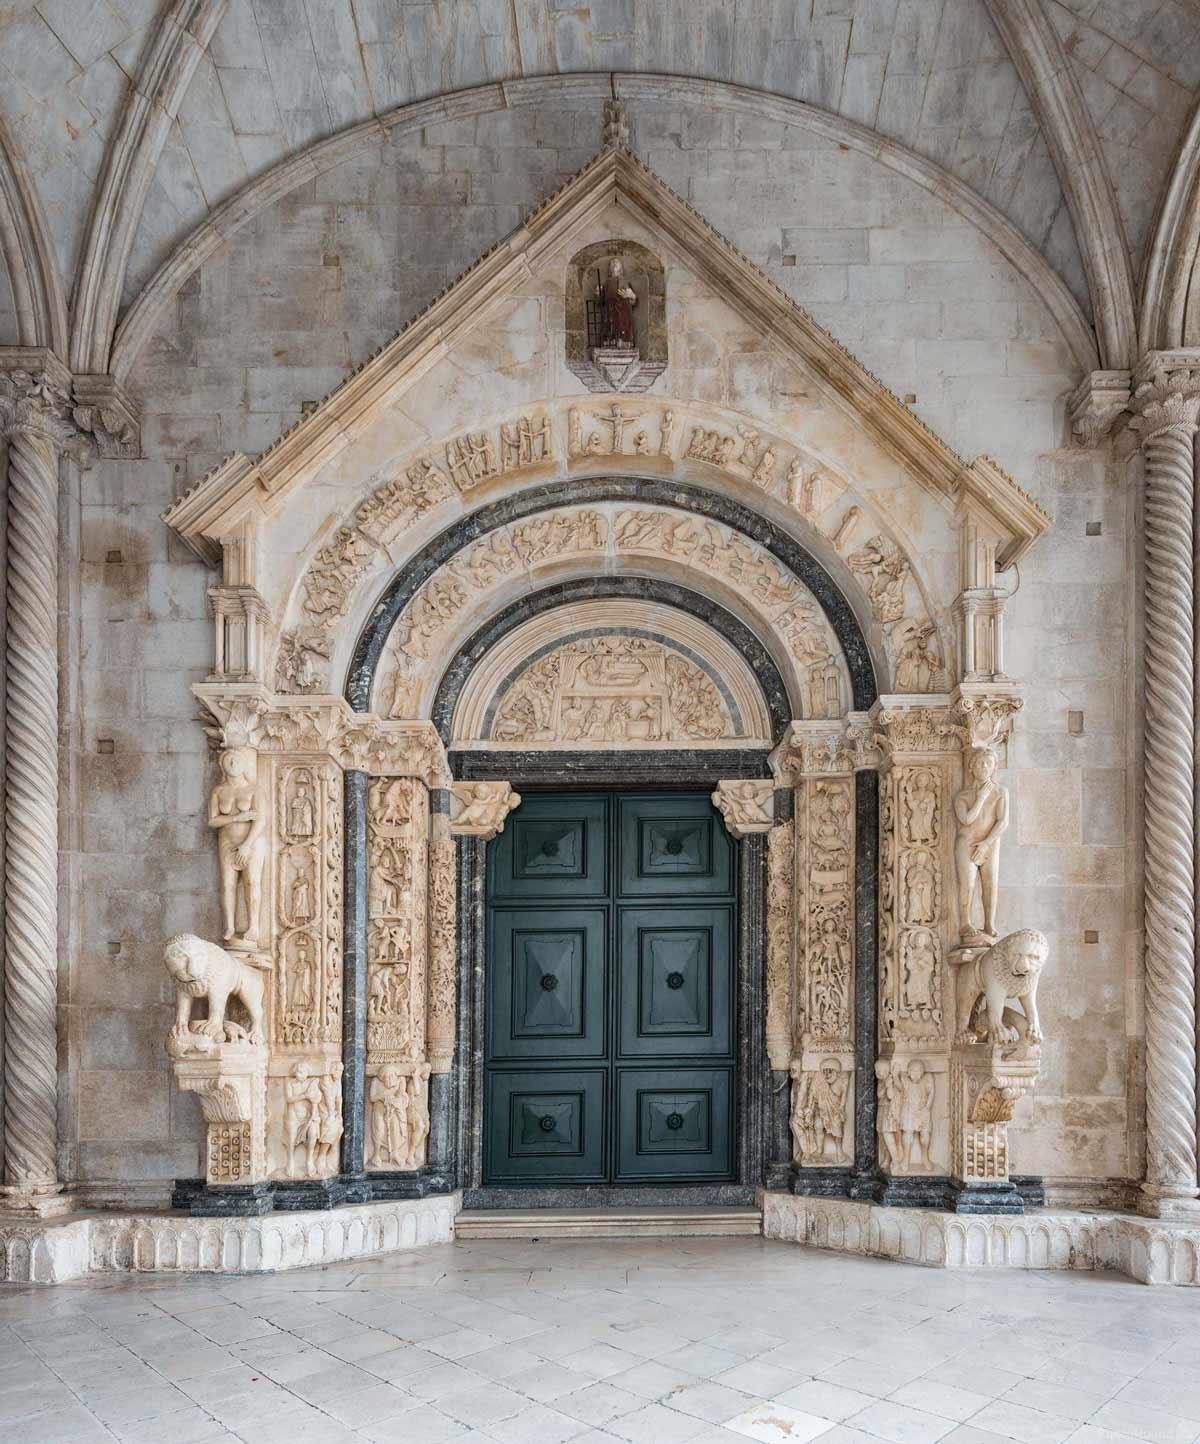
(623, 539)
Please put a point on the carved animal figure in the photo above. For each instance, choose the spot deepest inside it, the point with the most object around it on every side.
(1010, 968)
(203, 970)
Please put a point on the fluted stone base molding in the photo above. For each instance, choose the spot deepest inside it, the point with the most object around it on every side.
(175, 1243)
(1150, 1251)
(1167, 405)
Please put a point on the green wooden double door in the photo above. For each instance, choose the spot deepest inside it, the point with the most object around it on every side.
(610, 1018)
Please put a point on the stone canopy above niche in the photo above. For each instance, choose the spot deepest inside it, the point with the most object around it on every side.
(614, 673)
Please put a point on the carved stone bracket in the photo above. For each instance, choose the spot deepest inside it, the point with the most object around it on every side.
(747, 806)
(230, 1082)
(985, 1084)
(479, 809)
(1096, 404)
(106, 411)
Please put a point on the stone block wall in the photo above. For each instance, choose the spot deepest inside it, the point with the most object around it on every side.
(316, 282)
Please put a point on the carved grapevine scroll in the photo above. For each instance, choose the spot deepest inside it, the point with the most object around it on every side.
(397, 844)
(828, 922)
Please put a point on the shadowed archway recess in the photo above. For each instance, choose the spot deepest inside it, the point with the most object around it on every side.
(586, 589)
(699, 501)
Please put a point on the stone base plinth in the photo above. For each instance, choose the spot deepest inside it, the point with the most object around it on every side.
(1152, 1251)
(172, 1242)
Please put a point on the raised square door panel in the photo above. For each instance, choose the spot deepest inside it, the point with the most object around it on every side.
(674, 1123)
(552, 847)
(673, 847)
(675, 969)
(546, 1125)
(548, 985)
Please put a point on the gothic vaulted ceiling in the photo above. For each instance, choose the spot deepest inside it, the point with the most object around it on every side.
(124, 124)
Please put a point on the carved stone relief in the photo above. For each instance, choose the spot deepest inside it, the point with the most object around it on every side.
(828, 920)
(397, 843)
(981, 811)
(443, 943)
(614, 689)
(238, 815)
(820, 1114)
(398, 1116)
(781, 908)
(311, 1131)
(478, 809)
(747, 806)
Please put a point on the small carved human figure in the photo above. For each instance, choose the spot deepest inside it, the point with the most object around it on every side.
(819, 1114)
(915, 1088)
(921, 796)
(920, 889)
(302, 977)
(918, 665)
(982, 812)
(301, 898)
(389, 1117)
(302, 1119)
(236, 812)
(418, 1115)
(886, 1120)
(920, 967)
(666, 432)
(829, 965)
(329, 1116)
(300, 813)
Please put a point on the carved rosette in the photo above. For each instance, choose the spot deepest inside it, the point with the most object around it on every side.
(1168, 408)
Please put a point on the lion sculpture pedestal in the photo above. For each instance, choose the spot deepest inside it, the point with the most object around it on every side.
(222, 1061)
(995, 1061)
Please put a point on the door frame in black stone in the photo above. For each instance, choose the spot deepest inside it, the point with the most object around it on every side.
(558, 772)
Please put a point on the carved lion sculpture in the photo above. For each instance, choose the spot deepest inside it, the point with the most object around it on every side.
(1008, 969)
(203, 970)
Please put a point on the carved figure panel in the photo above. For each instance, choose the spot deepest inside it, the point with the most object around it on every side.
(820, 1114)
(397, 1116)
(397, 874)
(781, 909)
(612, 689)
(312, 1118)
(443, 940)
(828, 948)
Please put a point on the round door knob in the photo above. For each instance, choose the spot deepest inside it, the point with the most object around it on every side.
(675, 981)
(674, 1122)
(549, 982)
(546, 1123)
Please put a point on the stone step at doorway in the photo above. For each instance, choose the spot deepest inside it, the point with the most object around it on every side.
(627, 1223)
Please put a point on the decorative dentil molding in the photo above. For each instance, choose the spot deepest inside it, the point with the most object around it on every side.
(479, 809)
(747, 806)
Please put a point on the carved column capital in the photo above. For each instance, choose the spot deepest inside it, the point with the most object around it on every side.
(748, 806)
(1097, 403)
(1166, 399)
(819, 749)
(35, 396)
(479, 809)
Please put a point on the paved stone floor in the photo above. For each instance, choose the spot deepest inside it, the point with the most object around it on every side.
(655, 1343)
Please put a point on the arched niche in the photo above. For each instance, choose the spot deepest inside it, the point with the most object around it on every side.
(644, 272)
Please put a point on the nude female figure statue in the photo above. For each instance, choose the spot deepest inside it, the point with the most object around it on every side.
(235, 810)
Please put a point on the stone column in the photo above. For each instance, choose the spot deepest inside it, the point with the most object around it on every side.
(35, 423)
(1168, 407)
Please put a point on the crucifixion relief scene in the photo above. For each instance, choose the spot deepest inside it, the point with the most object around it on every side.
(599, 721)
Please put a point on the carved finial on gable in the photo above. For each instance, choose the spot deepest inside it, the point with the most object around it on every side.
(616, 125)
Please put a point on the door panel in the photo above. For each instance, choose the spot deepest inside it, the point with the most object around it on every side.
(550, 984)
(674, 1123)
(676, 982)
(610, 992)
(673, 847)
(552, 847)
(546, 1124)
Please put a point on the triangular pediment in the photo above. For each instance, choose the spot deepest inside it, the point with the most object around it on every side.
(243, 487)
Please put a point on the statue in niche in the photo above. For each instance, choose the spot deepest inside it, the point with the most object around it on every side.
(615, 331)
(301, 897)
(613, 309)
(236, 811)
(300, 813)
(921, 797)
(818, 1120)
(920, 889)
(981, 809)
(303, 977)
(920, 973)
(914, 1087)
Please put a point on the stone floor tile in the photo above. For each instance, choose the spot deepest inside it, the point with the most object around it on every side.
(970, 1434)
(656, 1424)
(1093, 1434)
(483, 1405)
(537, 1425)
(879, 1380)
(805, 1357)
(63, 1426)
(598, 1403)
(977, 1378)
(401, 1363)
(828, 1401)
(599, 1361)
(357, 1347)
(1144, 1422)
(502, 1361)
(653, 1380)
(947, 1400)
(331, 1382)
(547, 1381)
(424, 1425)
(1055, 1398)
(17, 1404)
(762, 1380)
(901, 1424)
(1180, 1399)
(459, 1343)
(711, 1401)
(1028, 1426)
(702, 1361)
(438, 1382)
(778, 1423)
(190, 1426)
(369, 1405)
(127, 1406)
(305, 1425)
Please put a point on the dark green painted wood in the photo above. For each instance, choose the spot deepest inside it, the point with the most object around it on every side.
(610, 977)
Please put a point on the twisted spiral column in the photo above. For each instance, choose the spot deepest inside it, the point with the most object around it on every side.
(1168, 425)
(31, 820)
